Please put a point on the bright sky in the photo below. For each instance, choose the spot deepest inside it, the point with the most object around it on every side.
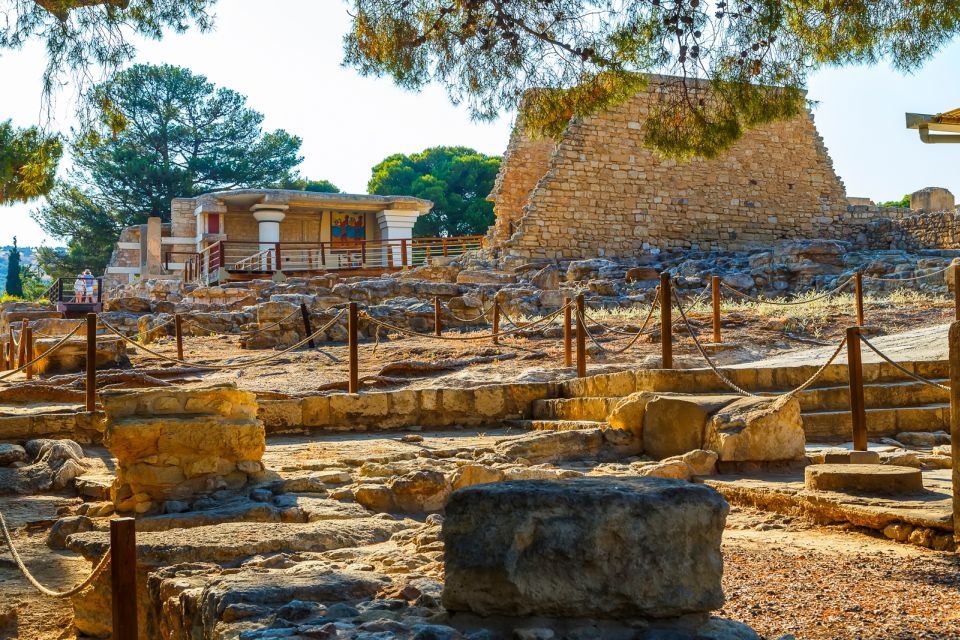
(288, 65)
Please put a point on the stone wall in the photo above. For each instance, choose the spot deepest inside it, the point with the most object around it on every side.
(934, 230)
(524, 163)
(604, 193)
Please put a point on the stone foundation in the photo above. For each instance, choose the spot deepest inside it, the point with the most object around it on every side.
(174, 445)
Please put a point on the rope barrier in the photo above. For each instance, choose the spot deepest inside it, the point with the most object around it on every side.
(825, 294)
(926, 275)
(483, 313)
(783, 396)
(501, 334)
(903, 369)
(233, 365)
(632, 342)
(45, 354)
(97, 569)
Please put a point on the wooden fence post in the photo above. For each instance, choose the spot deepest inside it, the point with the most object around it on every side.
(715, 284)
(28, 351)
(956, 290)
(954, 339)
(567, 333)
(353, 383)
(666, 321)
(22, 346)
(581, 339)
(91, 361)
(306, 324)
(858, 412)
(496, 322)
(437, 317)
(858, 287)
(123, 577)
(178, 326)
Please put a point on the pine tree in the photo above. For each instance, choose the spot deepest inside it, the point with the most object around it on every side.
(14, 283)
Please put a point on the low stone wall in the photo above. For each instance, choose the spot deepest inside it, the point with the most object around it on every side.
(485, 406)
(934, 230)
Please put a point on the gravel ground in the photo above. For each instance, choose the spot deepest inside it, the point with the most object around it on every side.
(787, 577)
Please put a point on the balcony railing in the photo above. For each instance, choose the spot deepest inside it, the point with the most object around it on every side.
(259, 258)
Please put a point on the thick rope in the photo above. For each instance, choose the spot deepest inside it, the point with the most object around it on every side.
(97, 569)
(903, 369)
(825, 294)
(232, 365)
(926, 275)
(633, 341)
(489, 336)
(653, 307)
(782, 396)
(43, 355)
(483, 313)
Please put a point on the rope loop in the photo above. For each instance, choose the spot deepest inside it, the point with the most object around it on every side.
(97, 569)
(903, 369)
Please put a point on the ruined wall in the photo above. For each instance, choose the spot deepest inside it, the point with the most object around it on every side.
(524, 163)
(606, 194)
(934, 230)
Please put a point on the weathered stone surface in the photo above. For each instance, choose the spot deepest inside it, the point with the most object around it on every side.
(880, 479)
(584, 548)
(674, 424)
(175, 444)
(10, 453)
(421, 491)
(552, 445)
(757, 430)
(923, 438)
(629, 412)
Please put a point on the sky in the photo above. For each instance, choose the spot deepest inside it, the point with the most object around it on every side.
(288, 63)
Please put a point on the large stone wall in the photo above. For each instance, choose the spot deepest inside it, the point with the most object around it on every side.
(934, 230)
(604, 193)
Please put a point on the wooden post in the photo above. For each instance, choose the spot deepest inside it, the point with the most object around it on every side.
(28, 352)
(858, 286)
(353, 383)
(306, 324)
(956, 290)
(123, 577)
(858, 412)
(715, 282)
(954, 339)
(666, 321)
(178, 325)
(403, 252)
(567, 333)
(91, 361)
(437, 317)
(496, 322)
(22, 346)
(581, 339)
(3, 356)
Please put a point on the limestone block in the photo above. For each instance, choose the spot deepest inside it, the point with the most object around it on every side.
(882, 479)
(674, 424)
(757, 430)
(932, 199)
(278, 415)
(471, 276)
(344, 406)
(316, 411)
(629, 411)
(552, 445)
(471, 474)
(586, 547)
(421, 491)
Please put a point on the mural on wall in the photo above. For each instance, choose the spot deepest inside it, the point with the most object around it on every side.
(347, 228)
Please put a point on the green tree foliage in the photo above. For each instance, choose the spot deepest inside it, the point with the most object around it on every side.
(305, 184)
(14, 284)
(82, 35)
(162, 132)
(903, 202)
(456, 179)
(28, 163)
(739, 63)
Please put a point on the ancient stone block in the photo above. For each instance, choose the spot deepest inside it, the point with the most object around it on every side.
(586, 547)
(757, 430)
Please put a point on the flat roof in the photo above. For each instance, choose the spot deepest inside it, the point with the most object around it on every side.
(945, 123)
(246, 198)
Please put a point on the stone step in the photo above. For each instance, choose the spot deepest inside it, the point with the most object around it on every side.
(592, 409)
(555, 425)
(876, 396)
(835, 426)
(756, 380)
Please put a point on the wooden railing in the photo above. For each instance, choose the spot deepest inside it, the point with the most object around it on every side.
(268, 258)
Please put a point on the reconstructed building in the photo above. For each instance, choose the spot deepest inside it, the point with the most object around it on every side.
(248, 233)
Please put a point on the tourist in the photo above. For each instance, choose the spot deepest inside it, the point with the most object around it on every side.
(89, 284)
(79, 290)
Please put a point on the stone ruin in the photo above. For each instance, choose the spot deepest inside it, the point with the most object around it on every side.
(173, 446)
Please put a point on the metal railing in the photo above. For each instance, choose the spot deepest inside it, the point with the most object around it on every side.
(253, 257)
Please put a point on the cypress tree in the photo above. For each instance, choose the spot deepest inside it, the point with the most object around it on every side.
(14, 283)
